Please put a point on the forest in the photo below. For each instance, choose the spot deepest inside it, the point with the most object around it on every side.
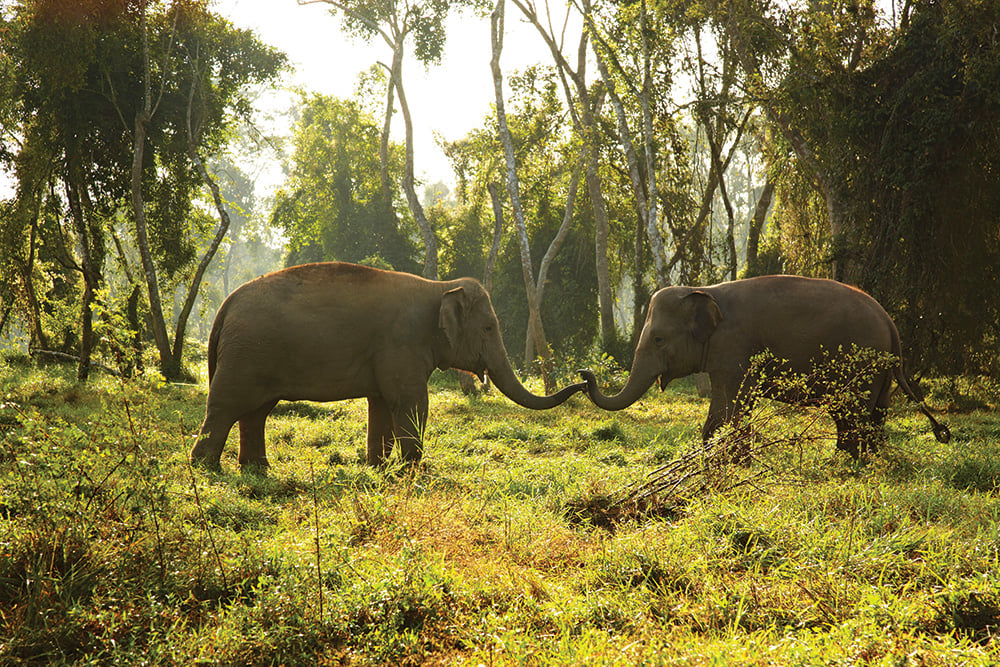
(662, 143)
(675, 143)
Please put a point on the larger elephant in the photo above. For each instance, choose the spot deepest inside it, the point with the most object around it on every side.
(720, 329)
(332, 331)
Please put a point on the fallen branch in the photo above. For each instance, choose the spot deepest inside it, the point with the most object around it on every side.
(62, 356)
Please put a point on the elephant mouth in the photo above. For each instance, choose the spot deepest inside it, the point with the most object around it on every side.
(664, 381)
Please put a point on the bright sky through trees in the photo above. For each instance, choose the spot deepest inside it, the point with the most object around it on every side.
(448, 100)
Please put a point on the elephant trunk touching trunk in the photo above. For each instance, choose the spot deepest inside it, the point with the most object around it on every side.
(506, 381)
(637, 385)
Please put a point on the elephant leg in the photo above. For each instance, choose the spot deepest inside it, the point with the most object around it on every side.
(252, 449)
(861, 425)
(409, 418)
(207, 451)
(728, 405)
(379, 431)
(859, 433)
(847, 434)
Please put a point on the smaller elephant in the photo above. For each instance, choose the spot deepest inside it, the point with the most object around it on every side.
(720, 329)
(331, 331)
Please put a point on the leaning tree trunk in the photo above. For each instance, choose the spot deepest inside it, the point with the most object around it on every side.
(757, 225)
(582, 110)
(220, 232)
(409, 186)
(498, 226)
(91, 245)
(513, 190)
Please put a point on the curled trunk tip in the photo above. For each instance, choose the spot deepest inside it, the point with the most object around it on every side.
(630, 393)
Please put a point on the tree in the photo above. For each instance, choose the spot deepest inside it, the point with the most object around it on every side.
(332, 207)
(397, 24)
(120, 102)
(514, 192)
(891, 131)
(194, 78)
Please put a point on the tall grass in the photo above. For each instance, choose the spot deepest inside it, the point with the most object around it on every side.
(498, 549)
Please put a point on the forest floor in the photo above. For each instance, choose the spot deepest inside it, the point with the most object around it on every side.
(572, 536)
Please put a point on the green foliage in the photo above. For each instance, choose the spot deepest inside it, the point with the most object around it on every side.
(80, 71)
(900, 124)
(333, 206)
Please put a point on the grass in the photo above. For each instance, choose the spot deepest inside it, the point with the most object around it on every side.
(503, 547)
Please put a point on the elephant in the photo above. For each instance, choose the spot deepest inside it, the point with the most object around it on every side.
(331, 331)
(720, 329)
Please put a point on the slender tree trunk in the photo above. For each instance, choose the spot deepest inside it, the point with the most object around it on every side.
(554, 246)
(409, 185)
(582, 110)
(498, 226)
(157, 323)
(757, 225)
(640, 293)
(513, 191)
(26, 270)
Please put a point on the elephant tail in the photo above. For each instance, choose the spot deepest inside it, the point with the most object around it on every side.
(941, 431)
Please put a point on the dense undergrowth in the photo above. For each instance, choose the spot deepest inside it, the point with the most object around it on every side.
(498, 549)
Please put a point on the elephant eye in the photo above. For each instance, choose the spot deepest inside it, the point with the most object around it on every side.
(658, 341)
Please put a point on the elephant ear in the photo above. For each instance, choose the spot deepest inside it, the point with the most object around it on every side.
(450, 316)
(706, 315)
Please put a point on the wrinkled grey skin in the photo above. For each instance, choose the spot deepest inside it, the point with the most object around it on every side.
(719, 329)
(331, 331)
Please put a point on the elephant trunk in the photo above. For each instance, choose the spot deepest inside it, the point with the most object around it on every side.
(637, 385)
(503, 378)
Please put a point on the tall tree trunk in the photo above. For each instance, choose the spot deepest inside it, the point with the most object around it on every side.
(582, 110)
(498, 226)
(383, 145)
(169, 366)
(513, 191)
(757, 225)
(90, 239)
(409, 185)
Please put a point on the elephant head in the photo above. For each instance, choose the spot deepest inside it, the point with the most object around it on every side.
(474, 344)
(673, 343)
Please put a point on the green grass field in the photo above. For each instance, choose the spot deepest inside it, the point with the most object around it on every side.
(506, 546)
